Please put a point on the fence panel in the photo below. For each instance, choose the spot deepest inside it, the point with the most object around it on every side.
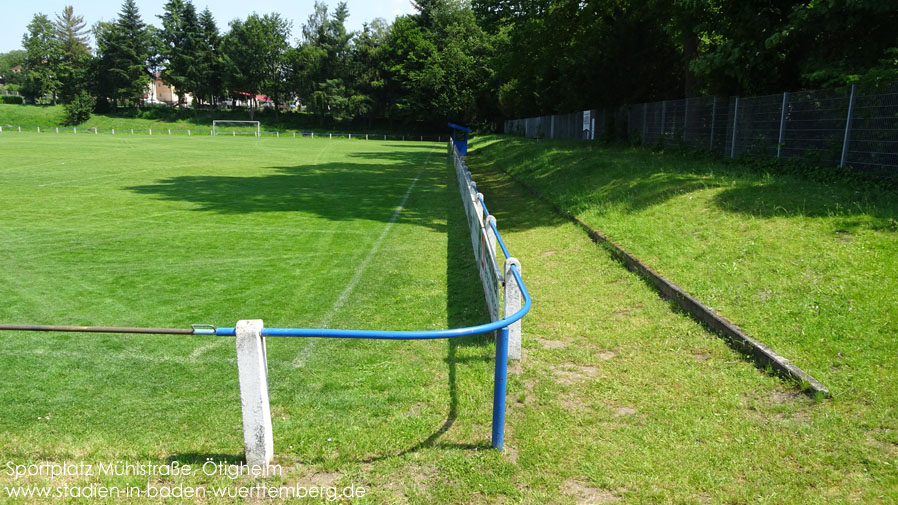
(815, 126)
(758, 126)
(873, 144)
(808, 126)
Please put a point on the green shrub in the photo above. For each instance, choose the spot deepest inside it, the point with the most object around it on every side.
(79, 110)
(12, 99)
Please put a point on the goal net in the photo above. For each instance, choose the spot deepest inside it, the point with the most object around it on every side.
(223, 127)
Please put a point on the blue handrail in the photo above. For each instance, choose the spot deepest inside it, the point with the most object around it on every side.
(389, 335)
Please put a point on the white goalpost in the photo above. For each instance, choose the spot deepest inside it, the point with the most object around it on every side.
(227, 127)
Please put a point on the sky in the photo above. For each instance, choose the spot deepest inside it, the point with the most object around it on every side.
(16, 15)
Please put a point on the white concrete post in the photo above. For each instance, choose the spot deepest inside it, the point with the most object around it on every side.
(252, 367)
(38, 129)
(512, 305)
(151, 131)
(330, 136)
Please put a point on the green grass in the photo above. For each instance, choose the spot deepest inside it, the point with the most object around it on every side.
(165, 117)
(618, 399)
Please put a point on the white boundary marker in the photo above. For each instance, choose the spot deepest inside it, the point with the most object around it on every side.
(252, 368)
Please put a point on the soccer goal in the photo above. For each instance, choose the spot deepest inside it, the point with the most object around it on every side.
(224, 127)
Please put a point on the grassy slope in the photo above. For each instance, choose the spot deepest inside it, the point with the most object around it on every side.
(162, 117)
(806, 267)
(618, 398)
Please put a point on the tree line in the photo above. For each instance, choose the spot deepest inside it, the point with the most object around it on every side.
(473, 62)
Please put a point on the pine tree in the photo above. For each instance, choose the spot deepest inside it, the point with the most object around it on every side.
(181, 48)
(124, 51)
(71, 34)
(211, 67)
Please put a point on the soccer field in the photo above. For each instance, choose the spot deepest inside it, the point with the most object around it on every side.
(169, 231)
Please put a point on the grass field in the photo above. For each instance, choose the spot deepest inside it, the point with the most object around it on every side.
(163, 117)
(618, 399)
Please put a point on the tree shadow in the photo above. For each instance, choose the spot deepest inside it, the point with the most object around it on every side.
(784, 196)
(465, 306)
(634, 180)
(607, 176)
(335, 191)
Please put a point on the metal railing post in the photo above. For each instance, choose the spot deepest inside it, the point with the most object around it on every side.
(499, 388)
(779, 144)
(848, 121)
(735, 118)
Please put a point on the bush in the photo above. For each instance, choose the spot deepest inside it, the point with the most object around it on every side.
(79, 110)
(18, 100)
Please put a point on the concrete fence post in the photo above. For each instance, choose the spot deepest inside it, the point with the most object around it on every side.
(252, 367)
(848, 122)
(779, 143)
(512, 305)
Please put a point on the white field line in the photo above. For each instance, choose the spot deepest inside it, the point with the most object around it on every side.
(300, 359)
(129, 172)
(199, 351)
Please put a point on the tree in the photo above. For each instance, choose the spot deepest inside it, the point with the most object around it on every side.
(439, 66)
(74, 58)
(322, 73)
(123, 56)
(211, 67)
(8, 61)
(181, 47)
(255, 51)
(42, 51)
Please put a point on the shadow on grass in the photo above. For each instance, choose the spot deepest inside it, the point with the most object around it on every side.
(581, 176)
(334, 191)
(465, 306)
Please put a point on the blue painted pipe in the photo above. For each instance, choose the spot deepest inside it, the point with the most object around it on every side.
(389, 335)
(499, 387)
